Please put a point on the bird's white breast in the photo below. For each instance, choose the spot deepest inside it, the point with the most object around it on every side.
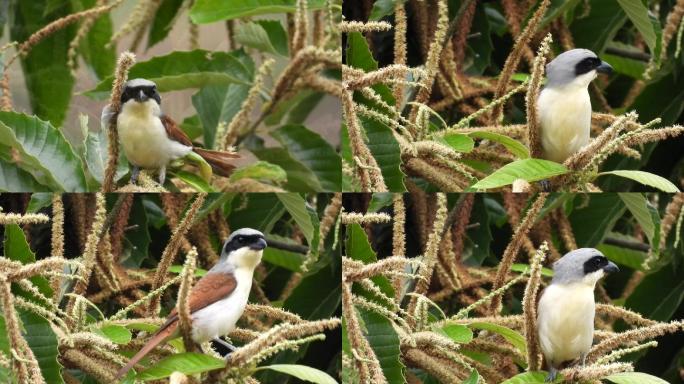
(143, 137)
(565, 320)
(565, 119)
(219, 318)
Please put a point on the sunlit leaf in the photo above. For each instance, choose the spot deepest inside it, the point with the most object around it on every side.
(189, 363)
(302, 372)
(527, 169)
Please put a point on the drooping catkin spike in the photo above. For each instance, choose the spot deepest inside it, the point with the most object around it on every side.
(365, 218)
(330, 216)
(358, 26)
(633, 335)
(430, 253)
(432, 62)
(513, 58)
(57, 240)
(17, 343)
(513, 246)
(6, 98)
(594, 371)
(399, 48)
(301, 31)
(398, 238)
(365, 360)
(533, 128)
(184, 320)
(530, 308)
(22, 219)
(171, 249)
(126, 61)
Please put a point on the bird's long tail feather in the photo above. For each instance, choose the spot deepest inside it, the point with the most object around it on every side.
(158, 338)
(221, 162)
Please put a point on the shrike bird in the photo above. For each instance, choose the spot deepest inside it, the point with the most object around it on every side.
(565, 317)
(218, 299)
(563, 106)
(152, 140)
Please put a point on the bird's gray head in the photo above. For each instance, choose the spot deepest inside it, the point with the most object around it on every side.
(584, 265)
(140, 90)
(244, 248)
(575, 66)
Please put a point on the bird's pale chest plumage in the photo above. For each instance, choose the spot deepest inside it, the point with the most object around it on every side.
(566, 321)
(144, 139)
(565, 120)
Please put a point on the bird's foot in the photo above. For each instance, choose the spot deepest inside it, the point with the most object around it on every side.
(162, 175)
(226, 344)
(135, 172)
(545, 185)
(553, 372)
(583, 357)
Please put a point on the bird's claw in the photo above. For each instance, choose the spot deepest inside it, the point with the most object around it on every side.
(551, 377)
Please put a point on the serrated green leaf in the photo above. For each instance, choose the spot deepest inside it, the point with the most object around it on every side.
(43, 342)
(634, 378)
(189, 363)
(209, 11)
(96, 153)
(302, 372)
(93, 47)
(638, 14)
(384, 341)
(645, 178)
(526, 169)
(277, 35)
(15, 179)
(43, 151)
(313, 151)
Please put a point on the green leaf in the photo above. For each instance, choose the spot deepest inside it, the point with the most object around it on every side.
(626, 66)
(384, 341)
(473, 378)
(623, 256)
(385, 149)
(634, 378)
(599, 27)
(254, 35)
(186, 70)
(93, 48)
(522, 268)
(193, 180)
(638, 14)
(209, 11)
(177, 269)
(514, 146)
(43, 151)
(646, 215)
(296, 206)
(116, 333)
(48, 78)
(188, 363)
(526, 169)
(166, 15)
(4, 348)
(192, 126)
(513, 337)
(96, 153)
(456, 332)
(313, 151)
(17, 248)
(592, 221)
(358, 248)
(39, 201)
(382, 8)
(289, 260)
(277, 36)
(459, 142)
(299, 177)
(302, 372)
(43, 342)
(659, 294)
(528, 378)
(14, 179)
(645, 178)
(261, 212)
(218, 103)
(261, 170)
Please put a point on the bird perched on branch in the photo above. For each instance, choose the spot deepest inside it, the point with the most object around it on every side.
(151, 140)
(564, 107)
(218, 299)
(565, 316)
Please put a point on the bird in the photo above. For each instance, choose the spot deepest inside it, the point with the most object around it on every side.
(152, 140)
(565, 315)
(563, 105)
(218, 299)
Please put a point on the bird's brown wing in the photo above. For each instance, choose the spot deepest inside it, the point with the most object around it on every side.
(174, 132)
(162, 334)
(208, 290)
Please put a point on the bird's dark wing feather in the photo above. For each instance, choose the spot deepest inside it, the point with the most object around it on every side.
(208, 290)
(175, 133)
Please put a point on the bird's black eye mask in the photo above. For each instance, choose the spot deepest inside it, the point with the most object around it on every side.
(240, 241)
(586, 65)
(594, 264)
(134, 92)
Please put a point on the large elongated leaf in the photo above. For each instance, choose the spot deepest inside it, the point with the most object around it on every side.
(43, 342)
(659, 294)
(209, 11)
(297, 207)
(93, 48)
(48, 79)
(599, 28)
(15, 179)
(43, 150)
(313, 151)
(513, 337)
(255, 35)
(638, 14)
(526, 169)
(591, 222)
(299, 177)
(513, 146)
(187, 69)
(385, 150)
(384, 341)
(188, 363)
(17, 248)
(527, 378)
(96, 155)
(646, 215)
(218, 103)
(166, 14)
(302, 372)
(645, 178)
(634, 378)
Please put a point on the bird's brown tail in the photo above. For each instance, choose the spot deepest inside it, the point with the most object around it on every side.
(221, 162)
(155, 340)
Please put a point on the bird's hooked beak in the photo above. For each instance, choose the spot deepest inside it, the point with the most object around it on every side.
(258, 245)
(141, 97)
(611, 267)
(607, 69)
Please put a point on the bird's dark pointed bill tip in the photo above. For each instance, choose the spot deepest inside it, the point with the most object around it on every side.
(259, 244)
(611, 268)
(604, 68)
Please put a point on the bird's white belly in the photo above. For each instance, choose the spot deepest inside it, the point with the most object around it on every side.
(566, 321)
(219, 318)
(565, 119)
(145, 142)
